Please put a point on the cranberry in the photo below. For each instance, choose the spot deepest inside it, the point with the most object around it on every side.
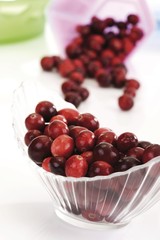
(83, 29)
(88, 155)
(136, 152)
(76, 166)
(144, 144)
(133, 19)
(73, 50)
(151, 152)
(125, 102)
(76, 77)
(132, 83)
(69, 86)
(116, 44)
(100, 168)
(85, 59)
(56, 128)
(74, 98)
(66, 67)
(85, 141)
(34, 121)
(57, 60)
(130, 91)
(57, 165)
(46, 109)
(109, 137)
(103, 77)
(70, 114)
(109, 22)
(121, 25)
(84, 93)
(87, 120)
(75, 130)
(119, 76)
(136, 34)
(106, 56)
(47, 63)
(93, 67)
(126, 141)
(101, 130)
(39, 148)
(126, 163)
(116, 61)
(46, 164)
(105, 152)
(30, 135)
(97, 25)
(62, 146)
(92, 215)
(58, 117)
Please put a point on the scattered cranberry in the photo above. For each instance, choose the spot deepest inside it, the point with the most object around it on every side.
(83, 92)
(133, 19)
(47, 63)
(132, 83)
(66, 67)
(57, 165)
(76, 166)
(69, 86)
(74, 98)
(125, 102)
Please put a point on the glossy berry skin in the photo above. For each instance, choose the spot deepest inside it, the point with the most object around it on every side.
(144, 144)
(85, 141)
(30, 135)
(101, 130)
(133, 19)
(103, 78)
(100, 168)
(125, 102)
(76, 166)
(126, 141)
(76, 77)
(40, 148)
(126, 163)
(105, 152)
(35, 121)
(62, 146)
(69, 86)
(87, 120)
(47, 63)
(132, 83)
(83, 92)
(70, 114)
(109, 137)
(88, 155)
(66, 67)
(46, 164)
(57, 165)
(74, 98)
(57, 128)
(136, 152)
(151, 152)
(58, 117)
(46, 109)
(75, 130)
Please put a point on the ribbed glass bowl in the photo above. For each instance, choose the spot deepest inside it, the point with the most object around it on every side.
(96, 202)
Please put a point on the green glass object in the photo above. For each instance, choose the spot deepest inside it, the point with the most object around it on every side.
(21, 19)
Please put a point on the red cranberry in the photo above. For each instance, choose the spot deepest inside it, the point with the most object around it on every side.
(74, 98)
(69, 86)
(46, 109)
(132, 83)
(126, 141)
(66, 67)
(93, 67)
(76, 77)
(45, 164)
(105, 152)
(116, 44)
(57, 60)
(116, 61)
(136, 34)
(151, 152)
(84, 93)
(101, 130)
(126, 163)
(128, 45)
(75, 130)
(130, 91)
(121, 25)
(62, 146)
(87, 120)
(58, 117)
(30, 135)
(109, 22)
(88, 155)
(125, 102)
(76, 166)
(83, 29)
(144, 144)
(85, 141)
(73, 50)
(106, 56)
(56, 128)
(47, 63)
(100, 168)
(103, 77)
(39, 148)
(133, 19)
(136, 152)
(34, 121)
(70, 114)
(85, 59)
(109, 137)
(119, 76)
(57, 165)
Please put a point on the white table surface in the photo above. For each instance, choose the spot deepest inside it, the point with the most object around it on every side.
(26, 211)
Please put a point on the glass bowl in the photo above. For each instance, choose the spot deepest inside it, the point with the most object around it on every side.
(98, 202)
(21, 19)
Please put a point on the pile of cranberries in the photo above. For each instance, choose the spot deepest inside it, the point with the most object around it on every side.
(98, 52)
(72, 144)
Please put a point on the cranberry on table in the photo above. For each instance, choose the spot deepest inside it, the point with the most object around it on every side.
(46, 164)
(46, 109)
(70, 114)
(100, 168)
(62, 146)
(103, 78)
(66, 67)
(73, 97)
(40, 148)
(76, 166)
(126, 141)
(126, 163)
(76, 77)
(83, 92)
(125, 102)
(30, 135)
(34, 121)
(151, 152)
(69, 86)
(47, 63)
(85, 141)
(132, 83)
(57, 128)
(130, 91)
(87, 120)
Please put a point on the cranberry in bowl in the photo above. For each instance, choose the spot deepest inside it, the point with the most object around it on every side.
(96, 178)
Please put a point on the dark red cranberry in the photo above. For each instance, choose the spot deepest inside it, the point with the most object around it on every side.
(126, 141)
(119, 76)
(126, 163)
(128, 45)
(56, 128)
(62, 146)
(116, 61)
(116, 44)
(121, 25)
(95, 42)
(84, 30)
(69, 86)
(109, 137)
(130, 91)
(144, 144)
(74, 98)
(75, 130)
(136, 152)
(100, 168)
(76, 166)
(57, 165)
(30, 135)
(35, 121)
(47, 63)
(88, 155)
(85, 59)
(73, 50)
(70, 114)
(66, 67)
(100, 131)
(110, 22)
(93, 67)
(76, 77)
(46, 109)
(45, 164)
(39, 148)
(105, 152)
(88, 120)
(133, 19)
(91, 54)
(57, 60)
(151, 152)
(103, 78)
(84, 93)
(58, 117)
(136, 34)
(106, 56)
(132, 83)
(85, 141)
(125, 102)
(97, 25)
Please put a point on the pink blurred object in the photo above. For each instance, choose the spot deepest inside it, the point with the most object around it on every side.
(65, 15)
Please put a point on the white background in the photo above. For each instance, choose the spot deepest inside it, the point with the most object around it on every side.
(26, 211)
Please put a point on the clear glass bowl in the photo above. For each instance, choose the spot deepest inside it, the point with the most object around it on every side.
(98, 202)
(21, 19)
